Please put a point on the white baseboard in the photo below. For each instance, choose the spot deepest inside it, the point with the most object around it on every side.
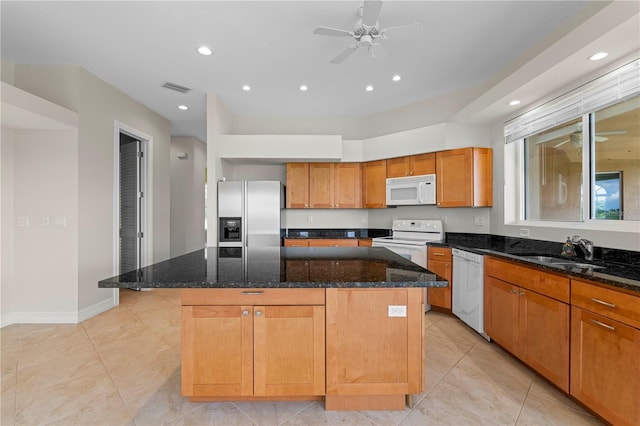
(95, 309)
(56, 317)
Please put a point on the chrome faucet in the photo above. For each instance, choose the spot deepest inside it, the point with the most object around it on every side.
(585, 245)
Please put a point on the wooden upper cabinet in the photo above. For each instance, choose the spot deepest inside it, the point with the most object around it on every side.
(374, 184)
(464, 177)
(321, 181)
(324, 185)
(297, 185)
(347, 185)
(413, 165)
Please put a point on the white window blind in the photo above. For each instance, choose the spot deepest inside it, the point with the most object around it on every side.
(611, 88)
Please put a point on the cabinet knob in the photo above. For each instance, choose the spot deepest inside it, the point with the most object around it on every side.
(513, 291)
(245, 313)
(258, 313)
(521, 294)
(337, 205)
(306, 205)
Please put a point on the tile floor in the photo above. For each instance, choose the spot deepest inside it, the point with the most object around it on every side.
(123, 368)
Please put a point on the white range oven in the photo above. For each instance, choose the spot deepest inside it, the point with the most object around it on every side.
(409, 239)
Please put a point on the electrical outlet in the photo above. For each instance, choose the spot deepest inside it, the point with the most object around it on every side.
(444, 220)
(363, 220)
(45, 221)
(397, 310)
(524, 233)
(309, 219)
(23, 221)
(478, 221)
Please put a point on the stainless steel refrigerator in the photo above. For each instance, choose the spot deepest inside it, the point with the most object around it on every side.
(249, 213)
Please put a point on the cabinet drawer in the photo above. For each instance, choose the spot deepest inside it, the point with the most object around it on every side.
(326, 242)
(253, 296)
(606, 302)
(439, 253)
(296, 242)
(551, 285)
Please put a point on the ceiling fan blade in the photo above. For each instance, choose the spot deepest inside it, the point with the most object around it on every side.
(612, 132)
(332, 32)
(379, 53)
(370, 12)
(601, 138)
(409, 30)
(344, 54)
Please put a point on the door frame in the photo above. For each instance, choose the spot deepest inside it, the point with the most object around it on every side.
(147, 200)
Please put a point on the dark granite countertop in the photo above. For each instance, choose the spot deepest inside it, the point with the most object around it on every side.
(280, 267)
(619, 268)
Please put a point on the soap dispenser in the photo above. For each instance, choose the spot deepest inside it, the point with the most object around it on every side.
(568, 249)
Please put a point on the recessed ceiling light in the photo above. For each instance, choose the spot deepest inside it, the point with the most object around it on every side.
(598, 56)
(205, 50)
(369, 88)
(303, 88)
(183, 107)
(514, 102)
(246, 87)
(396, 78)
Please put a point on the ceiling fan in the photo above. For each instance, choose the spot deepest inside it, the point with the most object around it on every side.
(366, 32)
(576, 137)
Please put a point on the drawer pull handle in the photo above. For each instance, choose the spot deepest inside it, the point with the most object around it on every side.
(252, 293)
(602, 302)
(521, 293)
(601, 324)
(438, 254)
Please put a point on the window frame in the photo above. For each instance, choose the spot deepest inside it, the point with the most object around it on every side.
(515, 189)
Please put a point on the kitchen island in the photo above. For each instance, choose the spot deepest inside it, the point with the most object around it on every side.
(343, 325)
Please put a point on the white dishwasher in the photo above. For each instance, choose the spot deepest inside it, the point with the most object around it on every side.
(468, 289)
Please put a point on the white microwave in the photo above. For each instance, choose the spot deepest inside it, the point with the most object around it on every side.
(411, 190)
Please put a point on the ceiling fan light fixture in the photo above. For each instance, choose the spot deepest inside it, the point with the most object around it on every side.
(598, 56)
(396, 77)
(304, 88)
(183, 107)
(369, 88)
(205, 51)
(514, 102)
(246, 87)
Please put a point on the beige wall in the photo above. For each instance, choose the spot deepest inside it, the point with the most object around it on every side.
(187, 194)
(7, 281)
(99, 106)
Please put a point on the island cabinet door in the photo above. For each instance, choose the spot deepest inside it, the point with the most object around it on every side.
(375, 341)
(289, 350)
(217, 350)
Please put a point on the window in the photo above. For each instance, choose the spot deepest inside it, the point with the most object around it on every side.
(575, 161)
(555, 161)
(616, 151)
(553, 173)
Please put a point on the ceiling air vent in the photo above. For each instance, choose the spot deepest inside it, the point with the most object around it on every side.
(176, 87)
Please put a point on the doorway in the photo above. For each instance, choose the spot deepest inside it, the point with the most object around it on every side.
(131, 233)
(133, 189)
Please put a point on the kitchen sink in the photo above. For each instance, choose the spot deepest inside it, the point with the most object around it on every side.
(556, 261)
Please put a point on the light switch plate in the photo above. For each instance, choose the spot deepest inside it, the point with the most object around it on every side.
(23, 221)
(397, 310)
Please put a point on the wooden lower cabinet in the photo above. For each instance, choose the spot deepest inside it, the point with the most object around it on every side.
(439, 262)
(530, 325)
(605, 351)
(246, 351)
(370, 352)
(605, 366)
